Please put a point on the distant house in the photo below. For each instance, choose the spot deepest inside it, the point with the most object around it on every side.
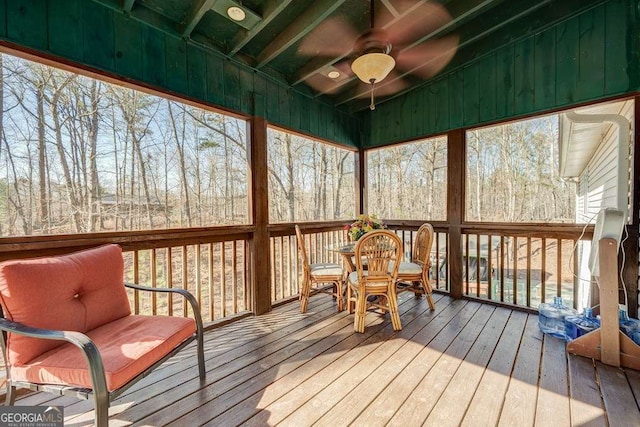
(595, 152)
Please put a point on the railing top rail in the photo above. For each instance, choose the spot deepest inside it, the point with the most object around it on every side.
(29, 246)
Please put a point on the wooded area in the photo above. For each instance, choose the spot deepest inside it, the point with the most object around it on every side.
(79, 155)
(512, 174)
(309, 180)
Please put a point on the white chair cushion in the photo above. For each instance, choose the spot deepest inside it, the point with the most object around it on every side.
(407, 268)
(326, 269)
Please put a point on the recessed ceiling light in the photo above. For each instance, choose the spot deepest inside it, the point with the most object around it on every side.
(236, 13)
(333, 74)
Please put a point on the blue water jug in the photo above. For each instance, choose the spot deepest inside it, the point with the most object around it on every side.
(551, 317)
(630, 327)
(576, 326)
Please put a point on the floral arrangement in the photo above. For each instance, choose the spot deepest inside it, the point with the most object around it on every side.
(362, 225)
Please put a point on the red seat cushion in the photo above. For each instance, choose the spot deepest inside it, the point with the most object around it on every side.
(76, 292)
(128, 346)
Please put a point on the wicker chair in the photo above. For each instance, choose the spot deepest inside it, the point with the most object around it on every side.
(414, 276)
(380, 251)
(316, 275)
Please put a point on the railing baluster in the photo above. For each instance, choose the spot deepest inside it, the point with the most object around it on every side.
(289, 265)
(185, 278)
(559, 268)
(575, 278)
(223, 280)
(465, 276)
(478, 265)
(198, 276)
(273, 270)
(281, 266)
(169, 281)
(234, 274)
(489, 267)
(154, 283)
(502, 256)
(528, 290)
(136, 279)
(543, 272)
(212, 295)
(515, 270)
(436, 260)
(246, 278)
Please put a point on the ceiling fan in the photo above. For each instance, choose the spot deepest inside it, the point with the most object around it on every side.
(396, 44)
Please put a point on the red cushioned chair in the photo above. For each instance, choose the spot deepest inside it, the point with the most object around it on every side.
(68, 328)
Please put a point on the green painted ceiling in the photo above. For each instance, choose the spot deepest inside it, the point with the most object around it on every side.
(280, 31)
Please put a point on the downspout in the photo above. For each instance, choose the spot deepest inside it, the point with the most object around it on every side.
(624, 132)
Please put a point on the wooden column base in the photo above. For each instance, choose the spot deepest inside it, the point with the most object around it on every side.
(590, 345)
(607, 343)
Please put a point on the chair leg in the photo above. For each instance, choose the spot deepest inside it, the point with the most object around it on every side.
(201, 367)
(361, 309)
(102, 411)
(392, 301)
(339, 295)
(11, 394)
(304, 294)
(349, 299)
(428, 293)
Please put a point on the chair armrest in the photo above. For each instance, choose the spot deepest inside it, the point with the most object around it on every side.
(80, 340)
(186, 294)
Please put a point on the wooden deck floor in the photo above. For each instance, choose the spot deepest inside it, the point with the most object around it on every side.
(464, 364)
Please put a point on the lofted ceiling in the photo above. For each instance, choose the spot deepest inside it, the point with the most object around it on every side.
(301, 42)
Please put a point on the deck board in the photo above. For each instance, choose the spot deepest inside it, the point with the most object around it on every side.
(553, 406)
(586, 403)
(460, 390)
(487, 402)
(520, 401)
(465, 363)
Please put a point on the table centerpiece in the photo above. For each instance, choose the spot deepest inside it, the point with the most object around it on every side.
(362, 225)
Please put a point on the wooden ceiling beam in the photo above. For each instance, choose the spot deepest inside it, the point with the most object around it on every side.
(272, 9)
(300, 27)
(197, 11)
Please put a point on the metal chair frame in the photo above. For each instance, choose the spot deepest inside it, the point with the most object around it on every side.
(100, 394)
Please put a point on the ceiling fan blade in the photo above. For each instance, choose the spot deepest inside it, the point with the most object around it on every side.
(418, 19)
(429, 58)
(390, 85)
(333, 37)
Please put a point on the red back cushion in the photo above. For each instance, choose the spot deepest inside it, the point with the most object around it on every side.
(74, 292)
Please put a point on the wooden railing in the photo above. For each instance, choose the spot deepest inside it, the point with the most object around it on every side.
(519, 265)
(212, 263)
(522, 265)
(286, 267)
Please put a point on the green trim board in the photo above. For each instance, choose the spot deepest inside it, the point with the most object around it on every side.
(584, 59)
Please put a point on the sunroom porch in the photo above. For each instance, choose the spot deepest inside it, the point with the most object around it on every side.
(478, 358)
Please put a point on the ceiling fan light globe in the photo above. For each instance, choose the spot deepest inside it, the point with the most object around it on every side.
(373, 67)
